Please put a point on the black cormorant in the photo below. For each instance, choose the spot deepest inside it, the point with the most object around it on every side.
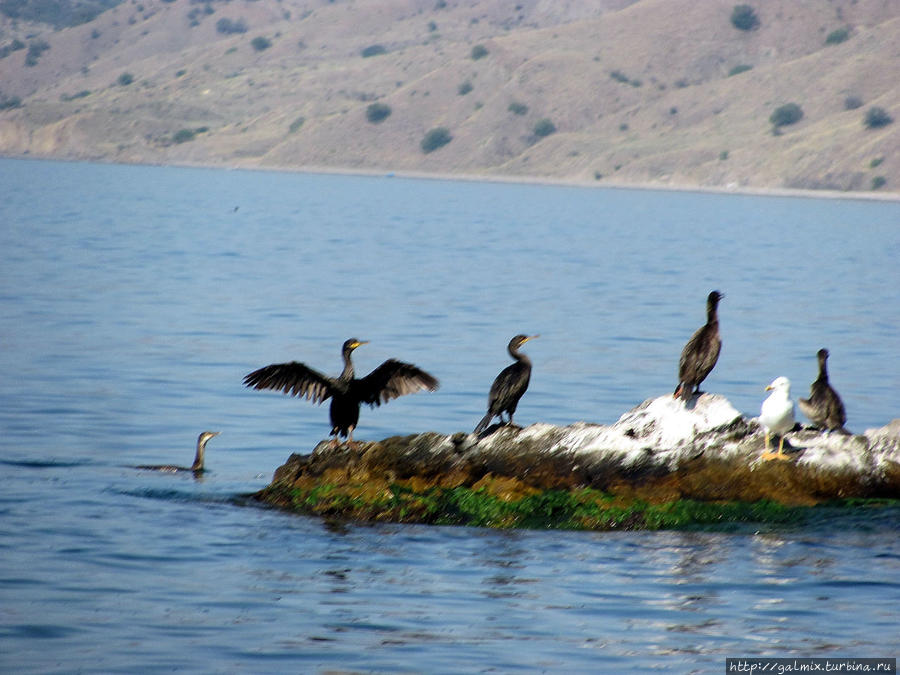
(824, 407)
(196, 467)
(701, 352)
(388, 381)
(509, 385)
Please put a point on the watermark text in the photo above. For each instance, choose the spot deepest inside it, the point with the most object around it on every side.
(749, 665)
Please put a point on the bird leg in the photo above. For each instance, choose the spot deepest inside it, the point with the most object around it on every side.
(767, 455)
(780, 454)
(350, 442)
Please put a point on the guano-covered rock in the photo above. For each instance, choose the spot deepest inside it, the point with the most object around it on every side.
(662, 464)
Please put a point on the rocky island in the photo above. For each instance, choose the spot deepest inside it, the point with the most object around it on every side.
(663, 464)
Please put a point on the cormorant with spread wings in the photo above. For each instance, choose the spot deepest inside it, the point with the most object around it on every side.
(388, 381)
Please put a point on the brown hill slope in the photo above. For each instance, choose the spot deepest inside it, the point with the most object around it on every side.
(638, 91)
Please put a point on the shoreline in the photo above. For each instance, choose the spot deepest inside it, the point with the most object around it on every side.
(550, 181)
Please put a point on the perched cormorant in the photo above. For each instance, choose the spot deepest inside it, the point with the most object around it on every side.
(701, 352)
(509, 385)
(196, 467)
(777, 415)
(824, 407)
(388, 381)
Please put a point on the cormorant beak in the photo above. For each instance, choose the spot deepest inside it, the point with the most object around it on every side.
(358, 343)
(530, 337)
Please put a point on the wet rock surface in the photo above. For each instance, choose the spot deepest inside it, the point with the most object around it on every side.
(659, 454)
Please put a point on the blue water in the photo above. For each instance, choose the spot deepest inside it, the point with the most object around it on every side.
(134, 299)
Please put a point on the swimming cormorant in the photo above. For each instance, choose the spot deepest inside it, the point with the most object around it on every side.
(388, 381)
(824, 407)
(777, 415)
(509, 385)
(196, 467)
(701, 352)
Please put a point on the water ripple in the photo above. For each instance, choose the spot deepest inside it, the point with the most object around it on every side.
(131, 344)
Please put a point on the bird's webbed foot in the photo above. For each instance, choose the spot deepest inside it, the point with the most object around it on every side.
(768, 455)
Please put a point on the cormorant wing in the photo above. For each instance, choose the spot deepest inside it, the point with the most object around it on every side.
(699, 355)
(832, 404)
(824, 407)
(392, 379)
(816, 413)
(837, 412)
(294, 379)
(511, 382)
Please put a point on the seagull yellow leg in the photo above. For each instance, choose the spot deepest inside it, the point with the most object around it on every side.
(780, 454)
(767, 455)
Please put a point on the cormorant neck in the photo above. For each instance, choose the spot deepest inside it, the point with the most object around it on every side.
(823, 368)
(347, 373)
(519, 356)
(198, 458)
(711, 316)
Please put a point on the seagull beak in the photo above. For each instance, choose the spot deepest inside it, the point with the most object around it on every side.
(769, 387)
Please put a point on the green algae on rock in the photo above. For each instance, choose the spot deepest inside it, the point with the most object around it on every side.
(583, 509)
(662, 465)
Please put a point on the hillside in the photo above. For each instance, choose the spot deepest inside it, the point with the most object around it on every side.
(660, 92)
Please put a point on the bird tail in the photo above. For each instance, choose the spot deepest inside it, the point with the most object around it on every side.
(482, 425)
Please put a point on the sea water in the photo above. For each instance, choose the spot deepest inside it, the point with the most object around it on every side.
(134, 300)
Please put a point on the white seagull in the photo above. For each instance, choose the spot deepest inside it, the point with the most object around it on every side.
(777, 415)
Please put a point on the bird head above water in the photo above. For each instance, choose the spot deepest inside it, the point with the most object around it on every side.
(202, 440)
(712, 300)
(204, 437)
